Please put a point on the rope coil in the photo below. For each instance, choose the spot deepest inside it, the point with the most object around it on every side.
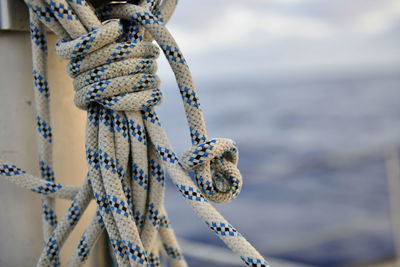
(221, 155)
(110, 78)
(113, 63)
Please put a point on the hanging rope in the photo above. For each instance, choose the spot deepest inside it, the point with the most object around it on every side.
(113, 64)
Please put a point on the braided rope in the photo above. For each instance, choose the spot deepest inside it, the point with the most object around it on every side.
(113, 63)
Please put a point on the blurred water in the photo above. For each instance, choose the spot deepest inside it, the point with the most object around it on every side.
(311, 154)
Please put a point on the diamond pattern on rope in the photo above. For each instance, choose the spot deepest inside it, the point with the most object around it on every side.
(114, 67)
(10, 170)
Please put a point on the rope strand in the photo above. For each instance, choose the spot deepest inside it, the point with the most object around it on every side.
(113, 64)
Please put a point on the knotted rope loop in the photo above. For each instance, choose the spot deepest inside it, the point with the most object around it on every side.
(216, 155)
(113, 67)
(116, 75)
(215, 164)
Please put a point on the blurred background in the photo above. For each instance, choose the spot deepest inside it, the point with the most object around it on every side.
(310, 91)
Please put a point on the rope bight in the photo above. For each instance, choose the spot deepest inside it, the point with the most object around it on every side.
(113, 64)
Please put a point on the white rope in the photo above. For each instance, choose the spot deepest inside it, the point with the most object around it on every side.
(113, 63)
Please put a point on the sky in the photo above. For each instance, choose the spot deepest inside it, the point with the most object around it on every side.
(264, 42)
(287, 37)
(312, 150)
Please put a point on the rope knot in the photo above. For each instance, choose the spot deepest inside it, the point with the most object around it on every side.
(115, 74)
(215, 165)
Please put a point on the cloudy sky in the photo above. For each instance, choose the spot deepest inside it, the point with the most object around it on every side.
(286, 37)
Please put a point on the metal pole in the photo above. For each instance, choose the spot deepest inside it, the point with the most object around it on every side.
(13, 15)
(20, 210)
(20, 221)
(393, 177)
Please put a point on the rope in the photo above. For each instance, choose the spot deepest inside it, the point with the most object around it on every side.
(113, 64)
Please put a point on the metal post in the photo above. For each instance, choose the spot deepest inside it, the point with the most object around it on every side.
(393, 178)
(13, 15)
(20, 210)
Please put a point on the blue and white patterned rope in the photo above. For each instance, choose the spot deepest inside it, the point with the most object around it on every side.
(42, 94)
(113, 63)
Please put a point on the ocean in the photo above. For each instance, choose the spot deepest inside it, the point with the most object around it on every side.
(312, 158)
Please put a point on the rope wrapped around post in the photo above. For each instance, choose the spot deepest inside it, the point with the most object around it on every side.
(113, 63)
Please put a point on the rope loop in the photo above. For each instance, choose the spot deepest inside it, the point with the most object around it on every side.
(117, 75)
(113, 66)
(215, 165)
